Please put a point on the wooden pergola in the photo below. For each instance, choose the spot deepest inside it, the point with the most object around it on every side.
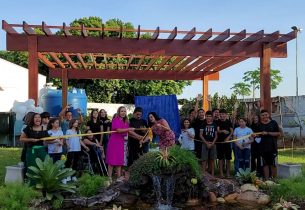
(166, 55)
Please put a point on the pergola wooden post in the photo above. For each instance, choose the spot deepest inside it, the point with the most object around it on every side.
(33, 68)
(265, 78)
(64, 79)
(205, 93)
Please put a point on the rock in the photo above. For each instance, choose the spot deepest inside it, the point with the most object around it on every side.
(212, 197)
(193, 202)
(253, 198)
(126, 199)
(264, 199)
(221, 200)
(231, 198)
(248, 197)
(248, 187)
(221, 187)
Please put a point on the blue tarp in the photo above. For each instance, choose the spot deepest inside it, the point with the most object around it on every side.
(166, 106)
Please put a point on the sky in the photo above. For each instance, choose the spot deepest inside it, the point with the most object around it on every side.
(269, 15)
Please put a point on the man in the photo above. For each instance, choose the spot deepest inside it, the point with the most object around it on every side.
(224, 150)
(215, 113)
(208, 134)
(268, 146)
(197, 125)
(66, 116)
(137, 144)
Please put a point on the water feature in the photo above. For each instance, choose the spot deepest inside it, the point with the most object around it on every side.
(164, 187)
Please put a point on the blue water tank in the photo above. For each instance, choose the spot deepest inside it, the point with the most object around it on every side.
(52, 99)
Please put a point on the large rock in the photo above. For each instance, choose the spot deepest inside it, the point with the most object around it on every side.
(231, 198)
(248, 187)
(212, 197)
(126, 199)
(253, 198)
(221, 187)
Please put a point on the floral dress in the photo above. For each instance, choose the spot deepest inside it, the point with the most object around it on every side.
(167, 137)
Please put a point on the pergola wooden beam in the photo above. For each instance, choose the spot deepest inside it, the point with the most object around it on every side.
(46, 30)
(174, 63)
(151, 62)
(196, 63)
(127, 74)
(240, 36)
(173, 34)
(156, 33)
(190, 35)
(27, 29)
(207, 35)
(8, 28)
(223, 36)
(254, 37)
(161, 47)
(81, 60)
(67, 57)
(46, 61)
(56, 59)
(163, 62)
(184, 63)
(65, 30)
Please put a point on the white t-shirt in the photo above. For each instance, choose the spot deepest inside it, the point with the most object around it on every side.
(55, 147)
(240, 132)
(73, 142)
(185, 140)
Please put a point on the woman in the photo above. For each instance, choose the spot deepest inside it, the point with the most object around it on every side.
(55, 146)
(95, 125)
(243, 146)
(256, 164)
(161, 128)
(186, 138)
(106, 125)
(115, 150)
(31, 135)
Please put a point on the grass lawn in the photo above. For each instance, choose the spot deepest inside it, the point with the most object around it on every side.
(8, 156)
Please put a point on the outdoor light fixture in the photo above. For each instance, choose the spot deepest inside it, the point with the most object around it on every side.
(297, 30)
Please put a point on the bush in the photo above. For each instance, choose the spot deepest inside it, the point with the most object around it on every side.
(89, 185)
(49, 176)
(185, 161)
(16, 196)
(145, 165)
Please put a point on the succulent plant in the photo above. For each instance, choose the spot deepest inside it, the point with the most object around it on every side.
(285, 205)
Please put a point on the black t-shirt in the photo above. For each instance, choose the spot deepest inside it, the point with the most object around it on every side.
(106, 123)
(268, 143)
(224, 125)
(137, 123)
(30, 133)
(94, 126)
(209, 131)
(197, 125)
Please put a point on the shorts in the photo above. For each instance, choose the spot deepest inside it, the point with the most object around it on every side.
(208, 153)
(224, 151)
(269, 158)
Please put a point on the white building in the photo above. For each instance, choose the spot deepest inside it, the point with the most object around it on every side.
(14, 84)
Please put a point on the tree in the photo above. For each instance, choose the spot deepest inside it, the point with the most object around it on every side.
(109, 91)
(242, 89)
(253, 78)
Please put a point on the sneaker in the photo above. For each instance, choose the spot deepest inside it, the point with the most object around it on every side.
(74, 179)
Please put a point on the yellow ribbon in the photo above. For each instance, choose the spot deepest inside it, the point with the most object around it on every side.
(84, 134)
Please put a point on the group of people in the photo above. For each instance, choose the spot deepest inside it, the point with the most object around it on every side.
(120, 141)
(212, 135)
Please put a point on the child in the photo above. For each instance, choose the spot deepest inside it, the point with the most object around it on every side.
(95, 150)
(74, 146)
(243, 146)
(186, 138)
(208, 134)
(55, 146)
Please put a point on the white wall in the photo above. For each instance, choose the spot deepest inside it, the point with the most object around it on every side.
(14, 82)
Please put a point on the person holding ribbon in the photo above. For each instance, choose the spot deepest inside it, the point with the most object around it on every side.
(31, 135)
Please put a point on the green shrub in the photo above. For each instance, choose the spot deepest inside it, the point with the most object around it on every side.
(186, 159)
(16, 196)
(246, 176)
(49, 176)
(89, 185)
(57, 203)
(145, 165)
(149, 165)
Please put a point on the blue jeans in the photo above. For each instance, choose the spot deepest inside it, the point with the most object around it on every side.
(243, 158)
